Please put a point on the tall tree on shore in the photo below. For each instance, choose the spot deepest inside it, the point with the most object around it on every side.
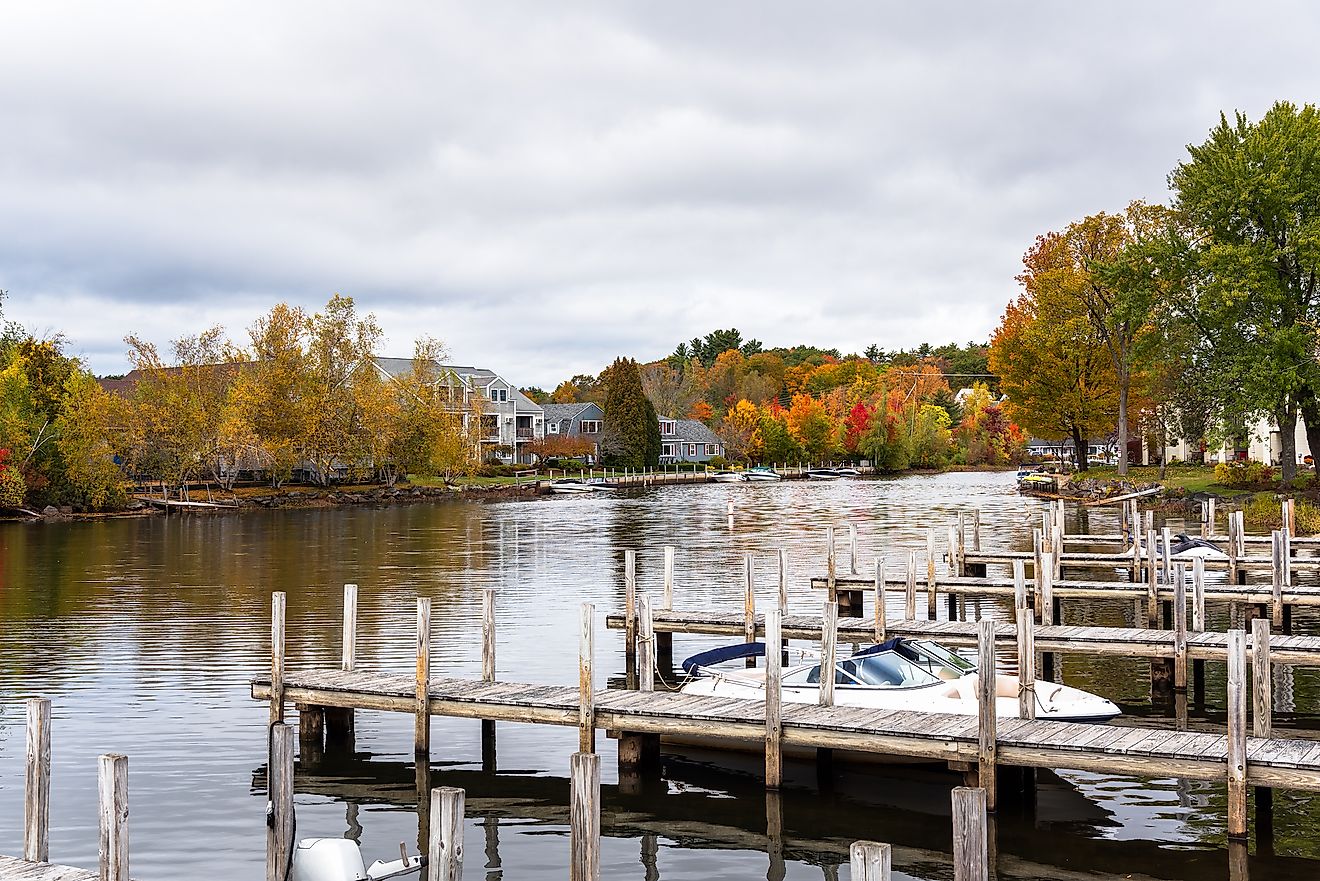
(631, 434)
(1251, 193)
(1054, 368)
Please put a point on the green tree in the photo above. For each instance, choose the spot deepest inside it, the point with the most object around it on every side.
(631, 434)
(1251, 195)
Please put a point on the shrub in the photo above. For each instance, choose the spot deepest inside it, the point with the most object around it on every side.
(718, 462)
(1243, 474)
(1265, 513)
(12, 487)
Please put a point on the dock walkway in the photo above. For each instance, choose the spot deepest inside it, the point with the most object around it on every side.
(1293, 764)
(14, 869)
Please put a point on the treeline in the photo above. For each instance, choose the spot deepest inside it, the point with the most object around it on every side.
(1185, 321)
(303, 398)
(896, 409)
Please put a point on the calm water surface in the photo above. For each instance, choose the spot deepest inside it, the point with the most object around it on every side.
(144, 633)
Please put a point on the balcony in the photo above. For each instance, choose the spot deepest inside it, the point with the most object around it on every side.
(526, 434)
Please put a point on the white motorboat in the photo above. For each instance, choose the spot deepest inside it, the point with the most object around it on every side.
(338, 859)
(822, 474)
(1185, 547)
(728, 477)
(847, 472)
(764, 474)
(900, 674)
(574, 486)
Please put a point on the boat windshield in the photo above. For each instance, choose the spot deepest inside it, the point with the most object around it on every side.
(883, 670)
(937, 660)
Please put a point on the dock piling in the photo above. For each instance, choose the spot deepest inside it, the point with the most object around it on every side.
(444, 858)
(1045, 588)
(584, 817)
(852, 548)
(910, 608)
(488, 634)
(279, 787)
(339, 720)
(970, 845)
(1237, 735)
(1262, 680)
(1179, 628)
(36, 794)
(749, 604)
(669, 578)
(1026, 640)
(587, 680)
(828, 640)
(879, 611)
(112, 787)
(831, 572)
(1019, 585)
(987, 745)
(774, 762)
(277, 610)
(930, 574)
(646, 644)
(870, 861)
(630, 609)
(422, 723)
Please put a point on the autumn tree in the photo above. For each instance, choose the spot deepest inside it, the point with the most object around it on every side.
(272, 396)
(86, 431)
(738, 431)
(631, 433)
(1054, 368)
(812, 427)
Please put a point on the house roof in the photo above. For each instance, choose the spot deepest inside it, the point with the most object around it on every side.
(565, 412)
(472, 377)
(693, 431)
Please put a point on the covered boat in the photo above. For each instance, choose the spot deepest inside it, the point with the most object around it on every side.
(574, 486)
(1186, 547)
(900, 674)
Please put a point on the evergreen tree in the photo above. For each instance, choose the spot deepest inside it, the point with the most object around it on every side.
(631, 436)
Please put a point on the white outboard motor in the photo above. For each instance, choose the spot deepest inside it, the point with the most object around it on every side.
(338, 859)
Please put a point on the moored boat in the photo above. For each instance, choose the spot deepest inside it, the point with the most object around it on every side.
(575, 486)
(762, 473)
(728, 477)
(822, 474)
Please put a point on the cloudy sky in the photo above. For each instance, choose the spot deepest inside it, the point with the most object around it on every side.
(546, 185)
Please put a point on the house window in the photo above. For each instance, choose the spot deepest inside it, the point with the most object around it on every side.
(552, 428)
(692, 449)
(499, 395)
(667, 450)
(710, 450)
(666, 426)
(590, 426)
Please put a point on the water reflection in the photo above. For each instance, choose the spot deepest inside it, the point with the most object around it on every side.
(144, 632)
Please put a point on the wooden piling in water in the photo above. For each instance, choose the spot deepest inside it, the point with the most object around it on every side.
(774, 729)
(783, 580)
(829, 639)
(1019, 586)
(955, 562)
(1276, 577)
(987, 740)
(444, 855)
(488, 634)
(669, 578)
(646, 644)
(278, 606)
(970, 845)
(1289, 517)
(36, 792)
(1026, 649)
(910, 606)
(976, 529)
(1262, 717)
(422, 720)
(749, 604)
(930, 574)
(879, 611)
(279, 786)
(870, 861)
(1179, 628)
(1237, 735)
(630, 609)
(112, 788)
(587, 680)
(852, 548)
(584, 817)
(1045, 589)
(1152, 582)
(831, 570)
(339, 720)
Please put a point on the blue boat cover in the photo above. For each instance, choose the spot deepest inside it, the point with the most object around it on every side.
(880, 647)
(722, 654)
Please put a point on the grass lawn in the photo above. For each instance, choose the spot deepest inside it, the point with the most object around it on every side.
(1192, 478)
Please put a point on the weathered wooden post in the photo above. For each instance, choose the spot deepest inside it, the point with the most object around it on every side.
(488, 634)
(339, 720)
(1019, 585)
(277, 611)
(880, 576)
(749, 604)
(852, 548)
(1237, 735)
(422, 710)
(630, 614)
(444, 858)
(976, 529)
(584, 817)
(930, 573)
(1262, 680)
(970, 846)
(831, 574)
(1026, 649)
(783, 580)
(955, 560)
(1166, 555)
(1233, 548)
(1179, 628)
(587, 680)
(1152, 582)
(1276, 578)
(987, 745)
(1289, 516)
(279, 788)
(774, 761)
(829, 638)
(1037, 548)
(36, 794)
(1058, 553)
(112, 789)
(646, 646)
(669, 578)
(1198, 625)
(870, 861)
(910, 607)
(1045, 588)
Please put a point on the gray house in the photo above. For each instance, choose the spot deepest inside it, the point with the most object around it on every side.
(687, 440)
(575, 420)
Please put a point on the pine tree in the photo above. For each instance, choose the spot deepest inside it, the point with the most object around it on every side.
(631, 436)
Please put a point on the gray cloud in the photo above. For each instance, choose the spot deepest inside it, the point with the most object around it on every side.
(545, 186)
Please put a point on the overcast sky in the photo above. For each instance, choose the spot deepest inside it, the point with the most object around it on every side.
(544, 186)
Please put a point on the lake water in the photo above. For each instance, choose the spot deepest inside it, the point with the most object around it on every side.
(144, 633)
